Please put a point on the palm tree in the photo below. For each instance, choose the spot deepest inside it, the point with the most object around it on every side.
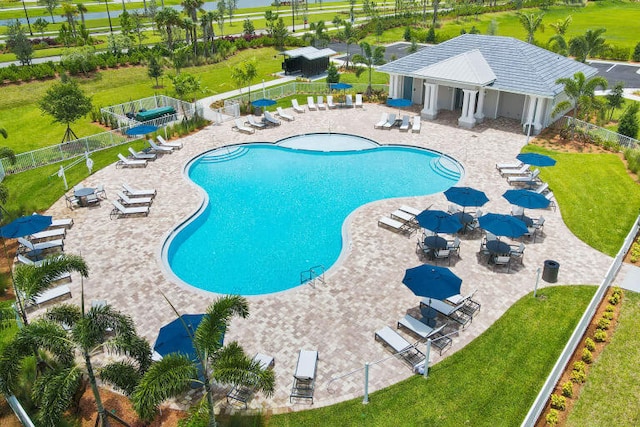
(369, 58)
(580, 92)
(531, 23)
(167, 19)
(87, 332)
(69, 11)
(348, 36)
(191, 8)
(317, 34)
(561, 26)
(208, 34)
(590, 44)
(226, 364)
(81, 9)
(106, 2)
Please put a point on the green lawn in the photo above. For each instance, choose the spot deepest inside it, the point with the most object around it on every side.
(491, 382)
(599, 200)
(610, 395)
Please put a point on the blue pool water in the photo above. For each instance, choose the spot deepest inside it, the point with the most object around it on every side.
(274, 212)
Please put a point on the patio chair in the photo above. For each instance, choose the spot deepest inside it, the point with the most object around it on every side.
(442, 254)
(128, 163)
(454, 246)
(501, 166)
(358, 100)
(296, 107)
(254, 123)
(517, 253)
(538, 224)
(243, 393)
(321, 105)
(415, 125)
(28, 246)
(283, 115)
(470, 307)
(454, 313)
(121, 211)
(452, 209)
(552, 203)
(502, 260)
(391, 121)
(397, 226)
(270, 120)
(517, 211)
(348, 101)
(524, 179)
(304, 377)
(134, 192)
(404, 127)
(61, 223)
(400, 346)
(311, 103)
(174, 145)
(381, 122)
(142, 156)
(71, 200)
(133, 201)
(240, 127)
(330, 103)
(159, 149)
(52, 234)
(522, 170)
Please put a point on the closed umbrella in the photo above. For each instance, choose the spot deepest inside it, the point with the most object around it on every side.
(439, 221)
(535, 159)
(503, 225)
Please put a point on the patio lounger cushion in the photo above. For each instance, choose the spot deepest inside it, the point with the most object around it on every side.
(401, 347)
(133, 192)
(382, 121)
(124, 162)
(348, 101)
(358, 100)
(416, 326)
(415, 126)
(239, 125)
(42, 246)
(394, 225)
(410, 210)
(119, 210)
(51, 294)
(296, 107)
(391, 121)
(304, 377)
(55, 233)
(159, 149)
(174, 145)
(454, 313)
(405, 217)
(127, 201)
(330, 103)
(62, 222)
(522, 170)
(284, 116)
(404, 127)
(142, 156)
(270, 120)
(501, 166)
(254, 123)
(529, 178)
(311, 104)
(321, 104)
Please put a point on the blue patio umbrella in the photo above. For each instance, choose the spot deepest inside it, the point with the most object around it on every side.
(503, 225)
(25, 226)
(535, 159)
(263, 102)
(340, 86)
(431, 281)
(141, 130)
(466, 196)
(399, 103)
(439, 221)
(526, 199)
(174, 338)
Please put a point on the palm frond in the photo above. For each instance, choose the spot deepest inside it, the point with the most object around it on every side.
(9, 368)
(53, 392)
(64, 314)
(32, 280)
(233, 366)
(7, 317)
(48, 336)
(208, 336)
(122, 375)
(133, 346)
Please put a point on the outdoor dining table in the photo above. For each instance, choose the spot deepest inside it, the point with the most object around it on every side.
(435, 242)
(465, 218)
(497, 247)
(83, 193)
(527, 220)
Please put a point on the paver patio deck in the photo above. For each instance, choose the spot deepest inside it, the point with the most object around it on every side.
(361, 295)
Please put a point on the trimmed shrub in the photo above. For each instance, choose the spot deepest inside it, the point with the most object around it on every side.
(578, 377)
(553, 418)
(609, 309)
(558, 402)
(607, 315)
(587, 356)
(600, 336)
(589, 344)
(604, 323)
(614, 299)
(567, 389)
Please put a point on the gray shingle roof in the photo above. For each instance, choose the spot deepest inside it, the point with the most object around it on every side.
(519, 67)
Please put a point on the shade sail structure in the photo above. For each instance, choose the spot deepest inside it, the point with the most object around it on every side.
(25, 226)
(535, 159)
(466, 196)
(431, 281)
(141, 130)
(263, 102)
(526, 199)
(503, 225)
(174, 337)
(439, 221)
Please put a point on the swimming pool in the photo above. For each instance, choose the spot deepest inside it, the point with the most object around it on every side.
(275, 211)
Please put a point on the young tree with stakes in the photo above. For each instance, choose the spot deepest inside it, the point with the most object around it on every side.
(66, 103)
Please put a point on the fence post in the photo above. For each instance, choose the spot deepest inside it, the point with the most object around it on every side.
(535, 288)
(426, 359)
(365, 400)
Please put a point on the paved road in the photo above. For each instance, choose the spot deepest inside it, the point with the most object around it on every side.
(617, 72)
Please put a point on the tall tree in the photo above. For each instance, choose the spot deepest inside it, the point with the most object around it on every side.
(615, 99)
(317, 34)
(369, 57)
(561, 26)
(154, 69)
(221, 9)
(587, 45)
(531, 23)
(434, 18)
(50, 5)
(40, 25)
(272, 19)
(81, 9)
(226, 364)
(280, 33)
(628, 125)
(69, 12)
(19, 43)
(232, 6)
(192, 7)
(245, 76)
(66, 103)
(348, 36)
(580, 91)
(208, 34)
(167, 19)
(106, 3)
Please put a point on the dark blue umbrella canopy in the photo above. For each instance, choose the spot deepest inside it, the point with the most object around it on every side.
(399, 102)
(431, 281)
(340, 86)
(174, 338)
(535, 159)
(466, 196)
(526, 199)
(439, 221)
(503, 225)
(25, 226)
(141, 130)
(263, 102)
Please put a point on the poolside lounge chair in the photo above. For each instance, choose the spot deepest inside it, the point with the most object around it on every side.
(501, 166)
(304, 378)
(330, 103)
(254, 123)
(270, 120)
(470, 307)
(321, 105)
(61, 223)
(382, 121)
(128, 163)
(296, 107)
(522, 170)
(283, 115)
(424, 331)
(120, 211)
(550, 198)
(415, 125)
(243, 393)
(405, 217)
(454, 313)
(239, 125)
(400, 346)
(25, 260)
(391, 121)
(542, 188)
(135, 192)
(54, 233)
(174, 145)
(142, 156)
(348, 101)
(132, 201)
(524, 179)
(159, 149)
(50, 295)
(404, 127)
(413, 211)
(311, 104)
(396, 226)
(40, 247)
(359, 100)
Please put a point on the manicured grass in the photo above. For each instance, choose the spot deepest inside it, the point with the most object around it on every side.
(598, 199)
(7, 334)
(610, 395)
(492, 381)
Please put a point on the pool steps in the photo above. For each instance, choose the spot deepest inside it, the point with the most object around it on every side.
(224, 155)
(446, 167)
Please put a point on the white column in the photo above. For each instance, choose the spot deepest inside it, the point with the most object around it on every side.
(468, 107)
(480, 110)
(530, 111)
(430, 110)
(399, 84)
(537, 117)
(393, 78)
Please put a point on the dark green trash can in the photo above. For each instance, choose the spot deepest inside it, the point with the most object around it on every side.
(550, 272)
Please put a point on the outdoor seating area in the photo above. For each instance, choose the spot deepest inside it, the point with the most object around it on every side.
(304, 377)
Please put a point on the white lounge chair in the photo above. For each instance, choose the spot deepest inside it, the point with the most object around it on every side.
(131, 201)
(550, 198)
(54, 233)
(174, 145)
(50, 295)
(270, 120)
(24, 260)
(128, 163)
(501, 166)
(382, 121)
(394, 225)
(134, 192)
(404, 127)
(296, 107)
(400, 346)
(254, 123)
(454, 313)
(415, 125)
(348, 101)
(42, 246)
(540, 189)
(283, 115)
(359, 100)
(417, 327)
(470, 306)
(120, 211)
(159, 149)
(311, 103)
(405, 217)
(142, 156)
(524, 179)
(241, 393)
(391, 121)
(304, 377)
(61, 223)
(330, 103)
(239, 125)
(321, 105)
(522, 170)
(410, 210)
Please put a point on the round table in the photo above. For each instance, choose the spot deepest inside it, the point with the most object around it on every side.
(82, 194)
(435, 242)
(496, 247)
